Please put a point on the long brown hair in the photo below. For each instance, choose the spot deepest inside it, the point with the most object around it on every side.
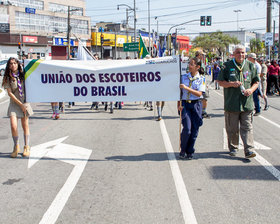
(7, 76)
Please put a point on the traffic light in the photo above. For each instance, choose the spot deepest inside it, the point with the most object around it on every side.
(208, 20)
(19, 45)
(102, 38)
(202, 20)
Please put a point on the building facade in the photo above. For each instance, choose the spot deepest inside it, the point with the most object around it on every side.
(39, 28)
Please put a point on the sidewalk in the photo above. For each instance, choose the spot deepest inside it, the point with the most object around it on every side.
(2, 93)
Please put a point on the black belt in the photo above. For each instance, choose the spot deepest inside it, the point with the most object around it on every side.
(191, 101)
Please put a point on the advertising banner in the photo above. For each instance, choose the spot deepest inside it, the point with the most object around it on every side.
(154, 79)
(29, 39)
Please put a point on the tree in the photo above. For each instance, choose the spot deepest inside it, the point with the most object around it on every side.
(216, 41)
(257, 46)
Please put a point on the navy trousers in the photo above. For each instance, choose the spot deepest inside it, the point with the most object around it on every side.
(257, 100)
(191, 121)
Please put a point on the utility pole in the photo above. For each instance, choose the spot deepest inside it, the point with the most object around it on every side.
(134, 25)
(68, 33)
(268, 25)
(101, 40)
(273, 46)
(149, 24)
(279, 33)
(127, 28)
(115, 42)
(69, 30)
(175, 47)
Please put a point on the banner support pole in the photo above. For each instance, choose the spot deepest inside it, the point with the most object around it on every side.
(180, 123)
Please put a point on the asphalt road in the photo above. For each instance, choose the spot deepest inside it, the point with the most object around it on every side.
(118, 168)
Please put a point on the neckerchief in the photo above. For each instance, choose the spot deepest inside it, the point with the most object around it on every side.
(19, 83)
(240, 69)
(191, 79)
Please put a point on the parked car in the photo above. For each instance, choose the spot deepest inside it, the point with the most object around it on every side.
(3, 64)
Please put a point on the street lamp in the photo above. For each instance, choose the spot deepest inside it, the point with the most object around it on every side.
(134, 10)
(194, 20)
(177, 47)
(237, 11)
(156, 18)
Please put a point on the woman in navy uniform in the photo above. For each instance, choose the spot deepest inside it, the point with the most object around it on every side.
(192, 85)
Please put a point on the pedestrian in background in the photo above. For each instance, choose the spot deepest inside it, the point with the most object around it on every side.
(252, 57)
(192, 86)
(273, 71)
(199, 55)
(264, 82)
(55, 110)
(13, 82)
(216, 71)
(160, 105)
(239, 79)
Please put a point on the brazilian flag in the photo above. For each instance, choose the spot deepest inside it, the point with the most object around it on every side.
(142, 48)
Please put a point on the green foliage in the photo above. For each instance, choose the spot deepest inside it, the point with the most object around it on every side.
(257, 46)
(215, 42)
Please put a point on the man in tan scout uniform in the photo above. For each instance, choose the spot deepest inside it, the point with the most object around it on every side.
(239, 79)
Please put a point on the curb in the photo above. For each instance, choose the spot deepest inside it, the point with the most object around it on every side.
(2, 93)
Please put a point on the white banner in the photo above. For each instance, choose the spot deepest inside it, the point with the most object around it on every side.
(154, 79)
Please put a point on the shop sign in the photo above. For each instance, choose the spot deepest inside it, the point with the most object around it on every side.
(30, 10)
(30, 39)
(63, 42)
(4, 27)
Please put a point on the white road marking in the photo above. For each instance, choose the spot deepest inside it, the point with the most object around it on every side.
(268, 166)
(269, 121)
(182, 193)
(257, 145)
(74, 155)
(39, 151)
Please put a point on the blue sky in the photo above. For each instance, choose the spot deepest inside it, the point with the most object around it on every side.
(170, 12)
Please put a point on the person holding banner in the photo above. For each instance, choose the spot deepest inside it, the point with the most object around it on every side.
(193, 86)
(13, 82)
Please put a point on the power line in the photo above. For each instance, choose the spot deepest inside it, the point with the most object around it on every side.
(220, 22)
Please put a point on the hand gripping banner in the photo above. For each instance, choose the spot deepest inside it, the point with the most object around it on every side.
(155, 79)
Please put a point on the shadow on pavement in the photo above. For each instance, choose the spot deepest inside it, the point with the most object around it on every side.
(164, 156)
(242, 173)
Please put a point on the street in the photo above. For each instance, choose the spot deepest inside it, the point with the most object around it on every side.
(95, 167)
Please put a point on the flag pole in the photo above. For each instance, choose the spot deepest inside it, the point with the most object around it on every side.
(90, 54)
(180, 123)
